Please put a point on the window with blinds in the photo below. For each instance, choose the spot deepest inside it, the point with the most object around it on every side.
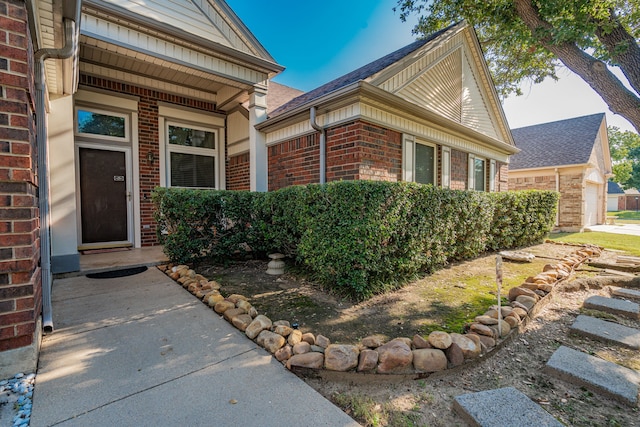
(191, 156)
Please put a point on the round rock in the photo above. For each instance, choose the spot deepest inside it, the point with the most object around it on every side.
(439, 339)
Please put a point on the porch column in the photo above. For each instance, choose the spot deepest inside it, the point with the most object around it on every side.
(258, 163)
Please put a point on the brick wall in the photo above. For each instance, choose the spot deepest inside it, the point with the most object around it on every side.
(20, 281)
(148, 141)
(369, 151)
(355, 150)
(571, 197)
(502, 176)
(459, 170)
(294, 162)
(237, 172)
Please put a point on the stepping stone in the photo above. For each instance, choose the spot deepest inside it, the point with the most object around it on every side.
(602, 330)
(502, 407)
(614, 306)
(626, 293)
(598, 375)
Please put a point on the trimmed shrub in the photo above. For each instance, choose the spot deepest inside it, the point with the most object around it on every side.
(521, 218)
(198, 224)
(357, 237)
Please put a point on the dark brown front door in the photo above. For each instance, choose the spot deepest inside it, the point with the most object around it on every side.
(103, 195)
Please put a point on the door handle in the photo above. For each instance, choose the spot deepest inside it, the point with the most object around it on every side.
(129, 195)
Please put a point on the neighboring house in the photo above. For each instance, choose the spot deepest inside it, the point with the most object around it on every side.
(570, 156)
(615, 197)
(630, 201)
(103, 100)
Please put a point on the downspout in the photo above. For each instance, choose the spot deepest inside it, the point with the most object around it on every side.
(69, 48)
(558, 191)
(323, 154)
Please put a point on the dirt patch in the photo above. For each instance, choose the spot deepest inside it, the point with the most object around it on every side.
(444, 300)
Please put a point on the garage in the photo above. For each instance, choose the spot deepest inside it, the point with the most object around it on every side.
(591, 204)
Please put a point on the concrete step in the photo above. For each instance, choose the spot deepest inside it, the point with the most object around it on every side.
(602, 330)
(601, 376)
(626, 293)
(502, 407)
(615, 306)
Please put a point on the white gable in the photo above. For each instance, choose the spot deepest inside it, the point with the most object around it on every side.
(475, 112)
(202, 18)
(444, 78)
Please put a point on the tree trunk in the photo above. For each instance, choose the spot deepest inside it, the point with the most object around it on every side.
(620, 100)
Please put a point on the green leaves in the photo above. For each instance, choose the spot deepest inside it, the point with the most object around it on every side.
(359, 238)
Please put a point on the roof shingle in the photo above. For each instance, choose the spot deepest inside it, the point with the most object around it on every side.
(565, 142)
(614, 188)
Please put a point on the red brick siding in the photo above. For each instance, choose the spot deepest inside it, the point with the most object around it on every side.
(459, 170)
(502, 176)
(294, 162)
(355, 150)
(148, 140)
(379, 154)
(20, 281)
(237, 172)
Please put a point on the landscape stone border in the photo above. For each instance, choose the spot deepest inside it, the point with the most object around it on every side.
(417, 356)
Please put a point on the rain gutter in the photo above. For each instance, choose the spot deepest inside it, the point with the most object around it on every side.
(71, 32)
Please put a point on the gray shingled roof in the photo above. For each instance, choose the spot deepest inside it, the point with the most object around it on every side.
(565, 142)
(357, 75)
(614, 188)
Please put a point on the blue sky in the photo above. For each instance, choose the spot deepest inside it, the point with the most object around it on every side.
(319, 41)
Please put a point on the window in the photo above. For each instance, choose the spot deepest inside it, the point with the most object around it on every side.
(102, 124)
(476, 174)
(192, 154)
(425, 164)
(418, 161)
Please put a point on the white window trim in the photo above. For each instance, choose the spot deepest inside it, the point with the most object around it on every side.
(492, 176)
(199, 151)
(472, 172)
(446, 167)
(127, 132)
(409, 143)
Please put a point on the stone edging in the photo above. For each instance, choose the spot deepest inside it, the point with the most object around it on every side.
(441, 351)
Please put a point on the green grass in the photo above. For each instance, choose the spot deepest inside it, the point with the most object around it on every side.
(620, 242)
(624, 216)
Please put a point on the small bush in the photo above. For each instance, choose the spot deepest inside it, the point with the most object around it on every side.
(357, 237)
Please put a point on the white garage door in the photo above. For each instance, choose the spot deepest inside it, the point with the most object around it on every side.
(591, 205)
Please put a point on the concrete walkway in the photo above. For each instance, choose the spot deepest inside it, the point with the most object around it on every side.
(140, 350)
(632, 229)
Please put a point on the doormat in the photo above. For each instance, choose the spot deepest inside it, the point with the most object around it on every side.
(103, 251)
(117, 273)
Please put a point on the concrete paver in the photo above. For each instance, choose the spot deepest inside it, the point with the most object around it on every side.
(142, 351)
(502, 407)
(599, 375)
(614, 306)
(602, 330)
(626, 293)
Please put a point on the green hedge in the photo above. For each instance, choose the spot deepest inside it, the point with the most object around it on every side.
(357, 237)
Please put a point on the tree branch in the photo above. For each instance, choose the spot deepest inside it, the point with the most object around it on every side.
(620, 99)
(623, 49)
